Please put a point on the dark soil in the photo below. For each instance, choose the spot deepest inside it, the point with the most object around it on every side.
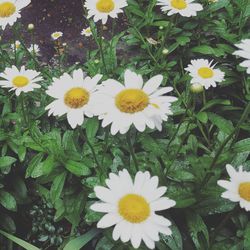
(49, 16)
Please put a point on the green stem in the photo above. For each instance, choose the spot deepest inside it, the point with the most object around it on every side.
(27, 124)
(225, 142)
(38, 67)
(179, 148)
(101, 50)
(131, 150)
(105, 148)
(85, 138)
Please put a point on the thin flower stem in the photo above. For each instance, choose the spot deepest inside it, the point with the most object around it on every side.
(131, 150)
(100, 40)
(187, 133)
(222, 223)
(27, 124)
(31, 55)
(85, 138)
(222, 146)
(105, 148)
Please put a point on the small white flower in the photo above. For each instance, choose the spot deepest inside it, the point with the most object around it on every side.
(10, 11)
(20, 80)
(17, 45)
(244, 52)
(74, 96)
(56, 35)
(202, 72)
(238, 188)
(134, 103)
(183, 7)
(86, 32)
(34, 49)
(102, 9)
(131, 206)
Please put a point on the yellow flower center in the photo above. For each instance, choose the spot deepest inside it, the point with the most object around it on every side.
(20, 81)
(205, 72)
(244, 190)
(131, 100)
(7, 9)
(179, 4)
(88, 30)
(134, 208)
(105, 6)
(18, 45)
(76, 98)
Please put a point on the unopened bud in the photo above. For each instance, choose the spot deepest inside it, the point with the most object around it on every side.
(196, 88)
(165, 51)
(31, 26)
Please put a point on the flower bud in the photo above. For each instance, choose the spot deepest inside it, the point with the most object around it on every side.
(165, 51)
(196, 88)
(31, 26)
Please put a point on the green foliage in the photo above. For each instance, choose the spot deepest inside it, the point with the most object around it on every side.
(43, 158)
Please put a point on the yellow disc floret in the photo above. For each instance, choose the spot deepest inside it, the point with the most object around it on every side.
(244, 190)
(179, 4)
(7, 9)
(134, 208)
(131, 100)
(20, 81)
(105, 6)
(76, 98)
(205, 72)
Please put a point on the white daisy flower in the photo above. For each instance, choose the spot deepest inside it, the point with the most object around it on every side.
(34, 49)
(20, 80)
(74, 96)
(244, 52)
(203, 72)
(102, 9)
(10, 11)
(183, 7)
(86, 32)
(56, 35)
(17, 45)
(134, 103)
(238, 188)
(132, 206)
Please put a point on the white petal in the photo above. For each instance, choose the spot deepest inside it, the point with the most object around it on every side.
(152, 84)
(162, 204)
(103, 207)
(108, 220)
(132, 80)
(105, 194)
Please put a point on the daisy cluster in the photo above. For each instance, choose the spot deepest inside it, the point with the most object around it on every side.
(131, 206)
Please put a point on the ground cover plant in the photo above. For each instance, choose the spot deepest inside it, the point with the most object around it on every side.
(142, 144)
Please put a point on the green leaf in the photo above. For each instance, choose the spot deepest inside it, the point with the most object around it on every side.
(202, 116)
(57, 186)
(105, 244)
(182, 40)
(92, 126)
(33, 164)
(242, 146)
(81, 241)
(19, 241)
(198, 230)
(8, 201)
(6, 161)
(246, 237)
(48, 165)
(77, 168)
(220, 122)
(174, 241)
